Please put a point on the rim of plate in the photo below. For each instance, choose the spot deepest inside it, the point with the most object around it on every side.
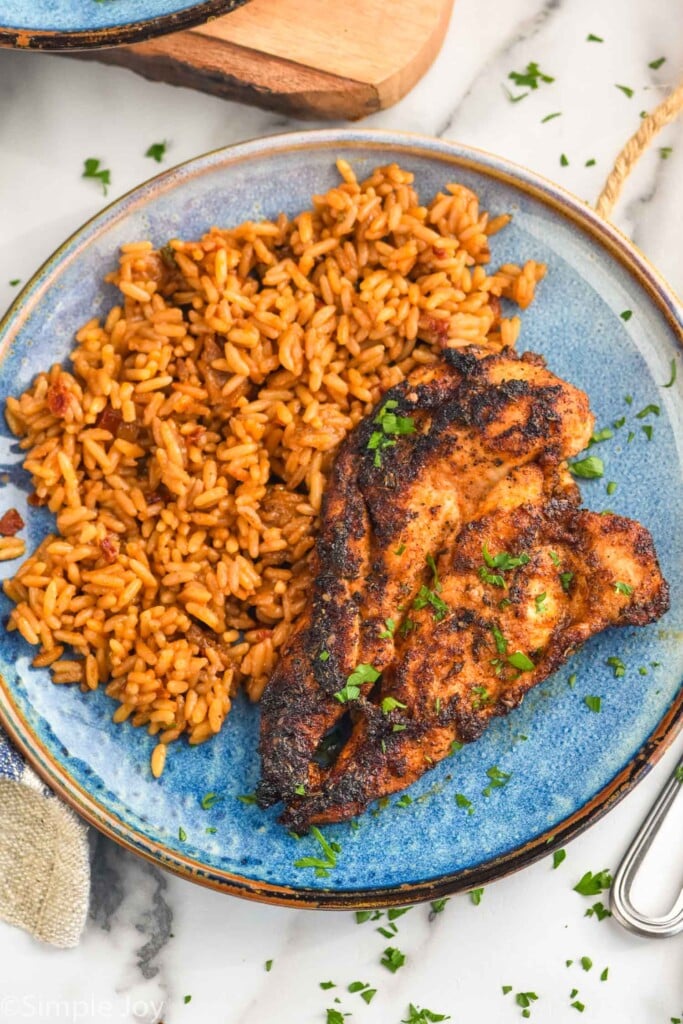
(116, 35)
(568, 206)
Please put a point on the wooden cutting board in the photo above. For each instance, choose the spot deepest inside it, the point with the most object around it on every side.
(306, 58)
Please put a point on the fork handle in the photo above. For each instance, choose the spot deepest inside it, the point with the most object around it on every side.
(670, 923)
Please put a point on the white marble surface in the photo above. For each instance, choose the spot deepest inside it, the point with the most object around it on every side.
(153, 939)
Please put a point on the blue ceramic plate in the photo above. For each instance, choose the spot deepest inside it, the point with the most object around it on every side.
(567, 764)
(79, 24)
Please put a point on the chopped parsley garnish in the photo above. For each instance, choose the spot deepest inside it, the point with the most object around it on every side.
(246, 798)
(393, 959)
(481, 697)
(586, 963)
(389, 629)
(521, 661)
(501, 642)
(322, 864)
(418, 1016)
(300, 790)
(425, 597)
(623, 588)
(605, 973)
(594, 703)
(598, 910)
(524, 1000)
(611, 487)
(17, 280)
(647, 430)
(404, 801)
(618, 666)
(678, 774)
(549, 117)
(626, 315)
(92, 169)
(187, 999)
(589, 469)
(669, 384)
(209, 799)
(400, 549)
(398, 728)
(494, 579)
(601, 435)
(391, 426)
(627, 91)
(578, 1006)
(435, 576)
(627, 398)
(564, 162)
(211, 830)
(334, 1017)
(506, 989)
(455, 746)
(367, 915)
(327, 984)
(462, 801)
(572, 680)
(324, 656)
(156, 151)
(182, 834)
(655, 64)
(619, 423)
(438, 906)
(540, 601)
(368, 995)
(590, 163)
(390, 704)
(357, 986)
(593, 884)
(590, 38)
(360, 675)
(530, 77)
(498, 779)
(558, 857)
(407, 625)
(565, 580)
(554, 558)
(503, 560)
(649, 409)
(268, 965)
(630, 437)
(476, 895)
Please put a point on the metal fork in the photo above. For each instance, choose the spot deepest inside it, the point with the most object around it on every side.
(622, 907)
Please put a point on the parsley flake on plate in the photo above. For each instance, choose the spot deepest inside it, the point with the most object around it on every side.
(626, 315)
(462, 801)
(586, 963)
(618, 666)
(590, 163)
(334, 1016)
(655, 64)
(476, 895)
(623, 588)
(322, 865)
(425, 597)
(521, 661)
(497, 779)
(591, 38)
(438, 906)
(665, 152)
(389, 629)
(564, 162)
(17, 280)
(627, 91)
(187, 999)
(669, 384)
(598, 910)
(550, 117)
(593, 703)
(327, 984)
(268, 965)
(182, 834)
(590, 468)
(209, 799)
(531, 77)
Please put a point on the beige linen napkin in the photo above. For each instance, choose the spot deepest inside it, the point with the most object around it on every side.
(44, 857)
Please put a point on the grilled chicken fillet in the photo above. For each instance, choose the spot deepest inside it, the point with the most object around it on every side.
(483, 465)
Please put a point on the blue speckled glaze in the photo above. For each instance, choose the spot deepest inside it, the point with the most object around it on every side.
(560, 754)
(61, 24)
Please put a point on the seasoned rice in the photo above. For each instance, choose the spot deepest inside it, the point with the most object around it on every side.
(186, 451)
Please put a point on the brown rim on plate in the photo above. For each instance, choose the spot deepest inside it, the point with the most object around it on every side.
(57, 777)
(116, 35)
